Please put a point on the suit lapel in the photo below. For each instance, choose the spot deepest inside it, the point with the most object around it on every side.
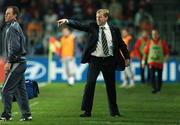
(95, 35)
(113, 34)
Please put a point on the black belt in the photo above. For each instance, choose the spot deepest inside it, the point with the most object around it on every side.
(96, 59)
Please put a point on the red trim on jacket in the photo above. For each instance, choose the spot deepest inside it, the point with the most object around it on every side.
(137, 46)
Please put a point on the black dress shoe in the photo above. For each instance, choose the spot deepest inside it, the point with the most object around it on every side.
(154, 91)
(116, 115)
(85, 114)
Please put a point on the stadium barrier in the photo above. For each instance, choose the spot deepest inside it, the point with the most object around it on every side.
(38, 70)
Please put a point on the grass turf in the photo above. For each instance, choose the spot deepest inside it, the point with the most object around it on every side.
(59, 104)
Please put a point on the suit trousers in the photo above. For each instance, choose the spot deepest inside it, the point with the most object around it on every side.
(107, 66)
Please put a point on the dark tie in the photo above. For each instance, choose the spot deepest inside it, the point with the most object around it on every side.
(104, 42)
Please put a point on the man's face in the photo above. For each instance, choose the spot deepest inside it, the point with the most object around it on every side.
(65, 32)
(9, 16)
(101, 19)
(124, 33)
(155, 35)
(144, 34)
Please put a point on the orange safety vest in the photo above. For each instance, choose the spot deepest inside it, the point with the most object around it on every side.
(67, 46)
(127, 39)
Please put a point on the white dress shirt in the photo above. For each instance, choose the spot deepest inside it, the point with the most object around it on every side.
(99, 49)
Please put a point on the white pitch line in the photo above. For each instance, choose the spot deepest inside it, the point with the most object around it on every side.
(33, 104)
(42, 84)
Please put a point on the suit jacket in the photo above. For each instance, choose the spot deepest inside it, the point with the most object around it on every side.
(93, 30)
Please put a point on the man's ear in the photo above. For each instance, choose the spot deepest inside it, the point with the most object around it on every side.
(107, 17)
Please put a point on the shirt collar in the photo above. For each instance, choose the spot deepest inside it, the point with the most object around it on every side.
(105, 25)
(10, 22)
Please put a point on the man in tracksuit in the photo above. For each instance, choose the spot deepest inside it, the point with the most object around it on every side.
(15, 66)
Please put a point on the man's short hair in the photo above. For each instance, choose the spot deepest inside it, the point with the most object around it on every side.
(15, 10)
(105, 12)
(64, 26)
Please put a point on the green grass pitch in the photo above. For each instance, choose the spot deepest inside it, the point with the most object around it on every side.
(59, 104)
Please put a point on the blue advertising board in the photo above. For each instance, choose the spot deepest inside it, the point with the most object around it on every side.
(38, 70)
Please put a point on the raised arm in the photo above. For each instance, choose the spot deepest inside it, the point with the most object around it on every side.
(74, 24)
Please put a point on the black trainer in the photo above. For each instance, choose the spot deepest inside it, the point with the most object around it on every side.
(5, 117)
(29, 118)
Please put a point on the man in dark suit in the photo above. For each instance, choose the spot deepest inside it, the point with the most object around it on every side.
(102, 52)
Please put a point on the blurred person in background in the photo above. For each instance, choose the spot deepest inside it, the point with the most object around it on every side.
(139, 50)
(49, 20)
(128, 75)
(177, 24)
(116, 12)
(67, 54)
(1, 28)
(49, 28)
(102, 53)
(88, 8)
(156, 52)
(143, 20)
(15, 66)
(34, 33)
(77, 10)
